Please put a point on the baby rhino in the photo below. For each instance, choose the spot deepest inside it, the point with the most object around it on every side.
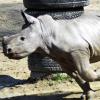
(74, 44)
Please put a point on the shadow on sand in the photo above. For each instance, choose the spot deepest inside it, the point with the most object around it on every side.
(8, 81)
(53, 96)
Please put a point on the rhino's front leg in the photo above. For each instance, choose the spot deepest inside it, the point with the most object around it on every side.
(83, 66)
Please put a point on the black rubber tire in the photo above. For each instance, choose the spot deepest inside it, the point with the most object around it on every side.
(42, 63)
(42, 66)
(54, 4)
(58, 14)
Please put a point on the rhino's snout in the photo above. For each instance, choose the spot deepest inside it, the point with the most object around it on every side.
(11, 51)
(6, 49)
(4, 44)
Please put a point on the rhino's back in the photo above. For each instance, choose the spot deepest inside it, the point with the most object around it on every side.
(90, 28)
(81, 30)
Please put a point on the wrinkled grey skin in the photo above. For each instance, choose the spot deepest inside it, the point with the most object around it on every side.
(74, 44)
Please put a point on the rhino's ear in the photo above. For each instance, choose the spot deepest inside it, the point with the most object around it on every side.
(24, 17)
(28, 18)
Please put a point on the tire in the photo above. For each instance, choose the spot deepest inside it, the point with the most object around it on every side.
(42, 63)
(58, 14)
(54, 4)
(42, 66)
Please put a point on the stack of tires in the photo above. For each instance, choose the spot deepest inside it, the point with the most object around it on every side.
(41, 65)
(54, 4)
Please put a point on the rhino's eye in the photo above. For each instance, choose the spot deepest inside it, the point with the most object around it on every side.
(22, 38)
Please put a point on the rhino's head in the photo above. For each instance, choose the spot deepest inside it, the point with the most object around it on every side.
(24, 43)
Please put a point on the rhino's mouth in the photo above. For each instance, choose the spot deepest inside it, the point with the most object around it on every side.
(13, 56)
(16, 56)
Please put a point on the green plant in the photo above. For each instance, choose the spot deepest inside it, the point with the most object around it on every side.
(61, 77)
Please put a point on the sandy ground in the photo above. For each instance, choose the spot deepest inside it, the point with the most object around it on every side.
(94, 5)
(12, 71)
(10, 1)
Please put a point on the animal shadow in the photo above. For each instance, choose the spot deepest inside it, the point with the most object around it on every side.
(8, 81)
(53, 96)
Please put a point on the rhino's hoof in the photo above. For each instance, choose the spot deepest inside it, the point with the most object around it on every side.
(83, 97)
(88, 96)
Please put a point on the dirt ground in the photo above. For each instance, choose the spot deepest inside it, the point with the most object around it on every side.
(12, 71)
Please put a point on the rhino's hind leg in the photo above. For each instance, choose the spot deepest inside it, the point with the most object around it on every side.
(88, 93)
(85, 86)
(83, 66)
